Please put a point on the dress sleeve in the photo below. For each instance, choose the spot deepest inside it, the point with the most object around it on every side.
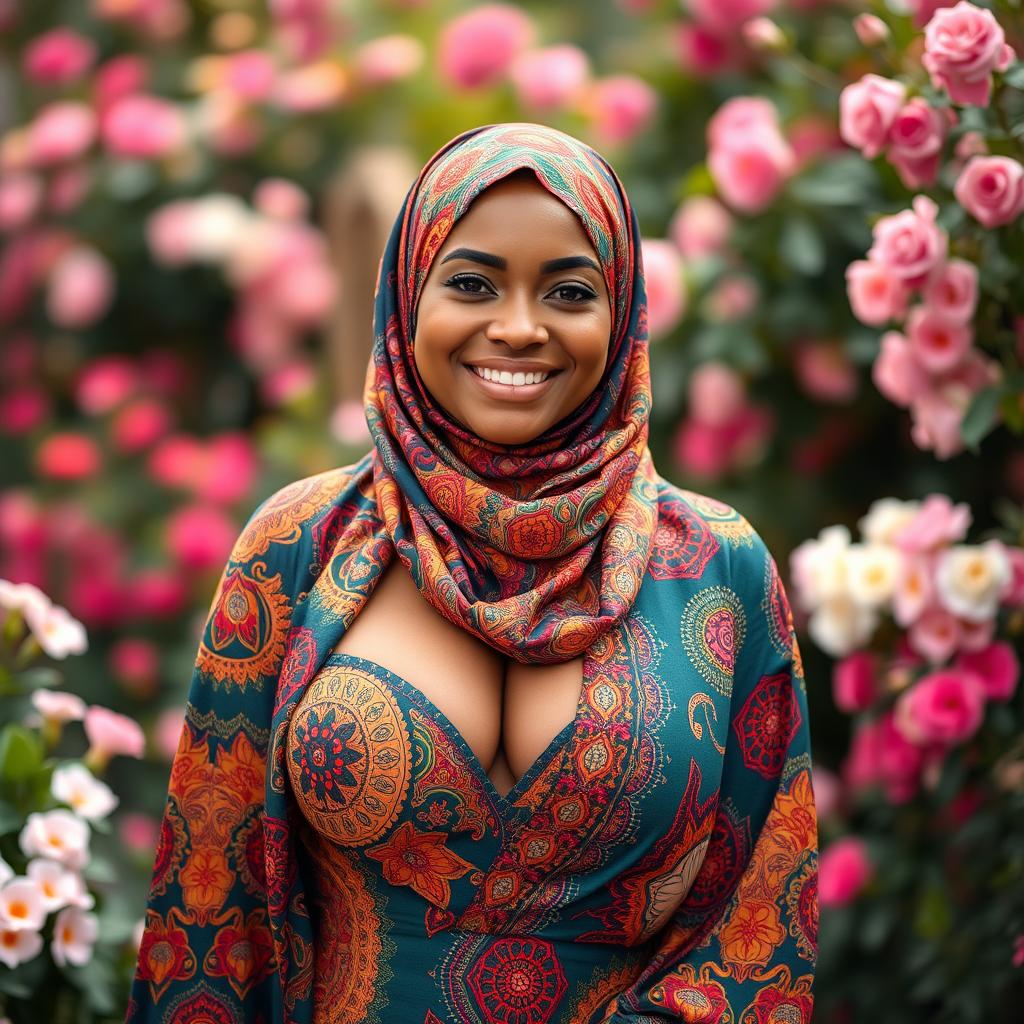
(207, 951)
(742, 946)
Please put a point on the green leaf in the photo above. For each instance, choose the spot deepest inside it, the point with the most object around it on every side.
(21, 754)
(980, 417)
(11, 818)
(40, 677)
(802, 247)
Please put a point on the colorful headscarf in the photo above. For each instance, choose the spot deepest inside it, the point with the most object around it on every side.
(540, 548)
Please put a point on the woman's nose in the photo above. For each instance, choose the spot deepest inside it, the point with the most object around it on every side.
(516, 322)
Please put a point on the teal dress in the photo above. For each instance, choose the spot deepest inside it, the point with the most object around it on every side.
(658, 861)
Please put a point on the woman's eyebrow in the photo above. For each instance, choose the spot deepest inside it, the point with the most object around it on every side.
(562, 263)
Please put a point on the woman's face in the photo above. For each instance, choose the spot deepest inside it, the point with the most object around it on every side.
(516, 288)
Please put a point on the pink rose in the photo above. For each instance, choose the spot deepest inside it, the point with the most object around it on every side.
(843, 870)
(477, 48)
(749, 170)
(250, 75)
(21, 195)
(876, 295)
(1014, 596)
(620, 107)
(61, 131)
(58, 57)
(896, 372)
(742, 115)
(880, 754)
(945, 708)
(134, 663)
(963, 46)
(723, 16)
(991, 189)
(143, 127)
(997, 666)
(867, 110)
(954, 291)
(825, 371)
(81, 287)
(117, 77)
(870, 29)
(936, 524)
(703, 53)
(280, 199)
(853, 682)
(936, 342)
(200, 537)
(105, 383)
(140, 424)
(936, 417)
(550, 79)
(700, 228)
(68, 456)
(731, 299)
(910, 244)
(716, 393)
(915, 140)
(935, 635)
(157, 594)
(663, 274)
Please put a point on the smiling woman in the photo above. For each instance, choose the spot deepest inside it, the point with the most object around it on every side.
(495, 725)
(515, 289)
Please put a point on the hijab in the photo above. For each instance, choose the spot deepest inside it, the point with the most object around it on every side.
(538, 549)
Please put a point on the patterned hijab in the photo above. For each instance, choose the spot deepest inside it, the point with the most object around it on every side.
(539, 548)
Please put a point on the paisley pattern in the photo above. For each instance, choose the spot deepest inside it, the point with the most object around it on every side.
(332, 849)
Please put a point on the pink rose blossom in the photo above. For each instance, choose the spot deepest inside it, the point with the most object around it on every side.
(280, 199)
(843, 871)
(68, 456)
(991, 189)
(825, 371)
(963, 46)
(666, 296)
(140, 424)
(157, 594)
(716, 394)
(250, 75)
(880, 754)
(945, 708)
(723, 16)
(910, 244)
(763, 35)
(935, 635)
(552, 78)
(976, 636)
(1014, 595)
(143, 127)
(388, 59)
(135, 663)
(997, 666)
(230, 470)
(69, 187)
(876, 295)
(936, 524)
(619, 107)
(896, 371)
(915, 141)
(750, 170)
(61, 131)
(936, 418)
(81, 287)
(105, 383)
(170, 231)
(110, 734)
(732, 298)
(477, 48)
(937, 343)
(23, 411)
(700, 228)
(703, 53)
(138, 832)
(740, 116)
(870, 29)
(867, 109)
(200, 537)
(954, 291)
(118, 77)
(853, 682)
(21, 196)
(177, 461)
(58, 57)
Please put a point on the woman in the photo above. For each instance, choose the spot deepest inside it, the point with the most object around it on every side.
(495, 724)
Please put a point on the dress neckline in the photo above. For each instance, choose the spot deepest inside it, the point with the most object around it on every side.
(559, 744)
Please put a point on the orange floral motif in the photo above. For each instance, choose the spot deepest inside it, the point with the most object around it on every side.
(242, 951)
(749, 937)
(420, 860)
(206, 881)
(165, 954)
(695, 999)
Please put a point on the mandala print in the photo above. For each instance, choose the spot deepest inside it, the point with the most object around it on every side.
(683, 545)
(767, 723)
(517, 981)
(712, 628)
(723, 520)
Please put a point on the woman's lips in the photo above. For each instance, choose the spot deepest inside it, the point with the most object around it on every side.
(512, 392)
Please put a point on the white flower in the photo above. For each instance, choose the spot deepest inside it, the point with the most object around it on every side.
(6, 871)
(839, 625)
(74, 935)
(872, 572)
(216, 222)
(970, 578)
(60, 886)
(885, 518)
(18, 945)
(21, 905)
(22, 596)
(58, 835)
(820, 567)
(59, 633)
(58, 706)
(75, 785)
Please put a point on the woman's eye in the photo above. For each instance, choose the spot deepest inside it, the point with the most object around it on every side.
(459, 280)
(581, 294)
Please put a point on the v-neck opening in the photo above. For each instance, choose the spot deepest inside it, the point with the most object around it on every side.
(555, 747)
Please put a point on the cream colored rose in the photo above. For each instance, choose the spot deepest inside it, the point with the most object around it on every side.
(872, 572)
(969, 579)
(885, 518)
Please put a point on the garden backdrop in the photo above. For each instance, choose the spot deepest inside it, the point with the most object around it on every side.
(193, 197)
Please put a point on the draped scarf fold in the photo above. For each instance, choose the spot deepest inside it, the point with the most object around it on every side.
(537, 549)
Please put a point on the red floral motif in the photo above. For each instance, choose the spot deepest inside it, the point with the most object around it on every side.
(242, 951)
(169, 848)
(165, 954)
(683, 545)
(692, 998)
(517, 981)
(202, 1007)
(535, 534)
(279, 863)
(767, 723)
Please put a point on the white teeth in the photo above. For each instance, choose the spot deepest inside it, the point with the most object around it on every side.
(506, 377)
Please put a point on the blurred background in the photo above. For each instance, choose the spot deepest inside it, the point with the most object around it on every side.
(194, 196)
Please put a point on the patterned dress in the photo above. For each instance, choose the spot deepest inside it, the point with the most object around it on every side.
(657, 862)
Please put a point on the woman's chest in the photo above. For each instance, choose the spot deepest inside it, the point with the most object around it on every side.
(507, 713)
